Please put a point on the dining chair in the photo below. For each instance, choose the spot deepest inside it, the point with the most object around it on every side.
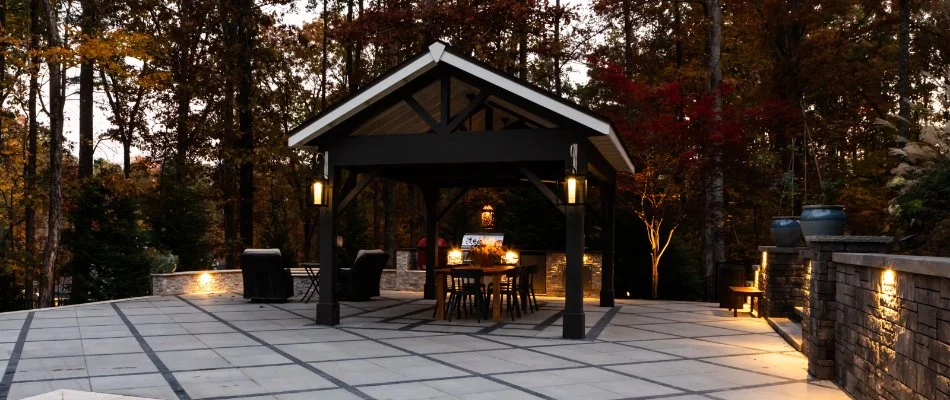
(467, 283)
(526, 290)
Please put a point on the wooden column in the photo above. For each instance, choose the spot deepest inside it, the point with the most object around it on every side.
(328, 307)
(608, 193)
(573, 280)
(430, 195)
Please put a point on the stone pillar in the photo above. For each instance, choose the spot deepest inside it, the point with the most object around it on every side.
(782, 278)
(821, 313)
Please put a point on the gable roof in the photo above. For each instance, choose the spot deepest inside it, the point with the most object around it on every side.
(604, 136)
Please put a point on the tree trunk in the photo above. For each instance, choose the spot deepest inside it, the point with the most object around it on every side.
(229, 169)
(523, 47)
(557, 47)
(245, 33)
(677, 35)
(323, 61)
(713, 242)
(348, 48)
(87, 21)
(627, 38)
(4, 89)
(57, 97)
(903, 70)
(29, 171)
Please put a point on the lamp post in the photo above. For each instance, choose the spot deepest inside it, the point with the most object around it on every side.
(575, 184)
(320, 188)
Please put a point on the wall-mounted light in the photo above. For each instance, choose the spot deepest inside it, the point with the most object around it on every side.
(889, 278)
(205, 281)
(454, 257)
(488, 218)
(575, 184)
(320, 188)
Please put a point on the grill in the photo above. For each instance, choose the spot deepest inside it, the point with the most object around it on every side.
(474, 239)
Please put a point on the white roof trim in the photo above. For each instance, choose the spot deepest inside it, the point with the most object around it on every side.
(438, 54)
(352, 106)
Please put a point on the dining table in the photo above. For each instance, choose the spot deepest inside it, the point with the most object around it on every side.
(495, 272)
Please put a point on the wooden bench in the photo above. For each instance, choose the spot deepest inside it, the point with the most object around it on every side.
(739, 293)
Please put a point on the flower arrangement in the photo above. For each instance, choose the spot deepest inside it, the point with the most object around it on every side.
(487, 253)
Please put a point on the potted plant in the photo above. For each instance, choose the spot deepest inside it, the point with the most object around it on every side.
(786, 230)
(487, 253)
(825, 218)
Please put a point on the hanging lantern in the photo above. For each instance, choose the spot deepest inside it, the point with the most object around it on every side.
(575, 184)
(488, 218)
(320, 188)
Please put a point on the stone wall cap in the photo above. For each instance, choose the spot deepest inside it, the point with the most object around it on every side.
(849, 239)
(779, 249)
(923, 265)
(210, 271)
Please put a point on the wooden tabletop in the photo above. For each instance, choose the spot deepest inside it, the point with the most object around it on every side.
(488, 270)
(744, 289)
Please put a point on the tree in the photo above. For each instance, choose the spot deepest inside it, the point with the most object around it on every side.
(109, 259)
(57, 99)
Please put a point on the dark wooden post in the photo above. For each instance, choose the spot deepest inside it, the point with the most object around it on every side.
(328, 307)
(608, 193)
(430, 195)
(573, 281)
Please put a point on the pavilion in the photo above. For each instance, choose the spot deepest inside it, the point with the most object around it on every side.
(444, 121)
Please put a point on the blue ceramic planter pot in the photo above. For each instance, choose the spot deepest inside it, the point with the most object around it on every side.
(823, 220)
(786, 231)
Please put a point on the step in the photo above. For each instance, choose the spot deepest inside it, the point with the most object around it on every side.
(789, 330)
(800, 313)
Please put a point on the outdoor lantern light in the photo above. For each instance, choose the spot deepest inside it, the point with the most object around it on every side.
(512, 257)
(454, 257)
(575, 184)
(320, 189)
(488, 217)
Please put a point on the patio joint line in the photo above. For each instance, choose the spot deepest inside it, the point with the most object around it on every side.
(305, 365)
(159, 364)
(491, 328)
(549, 321)
(408, 314)
(686, 391)
(450, 365)
(415, 325)
(241, 396)
(602, 323)
(14, 359)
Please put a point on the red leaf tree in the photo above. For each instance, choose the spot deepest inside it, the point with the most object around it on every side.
(666, 132)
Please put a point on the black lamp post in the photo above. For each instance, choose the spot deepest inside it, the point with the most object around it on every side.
(575, 184)
(320, 188)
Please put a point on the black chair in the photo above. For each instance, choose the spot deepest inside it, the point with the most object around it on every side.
(361, 283)
(265, 278)
(526, 288)
(467, 283)
(510, 289)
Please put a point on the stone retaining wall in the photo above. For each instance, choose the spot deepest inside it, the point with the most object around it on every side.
(782, 279)
(227, 280)
(892, 336)
(878, 324)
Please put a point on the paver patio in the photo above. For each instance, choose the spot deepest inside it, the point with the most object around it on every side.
(220, 346)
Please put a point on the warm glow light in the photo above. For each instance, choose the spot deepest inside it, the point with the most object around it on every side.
(205, 280)
(488, 217)
(511, 257)
(318, 193)
(455, 257)
(889, 277)
(571, 190)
